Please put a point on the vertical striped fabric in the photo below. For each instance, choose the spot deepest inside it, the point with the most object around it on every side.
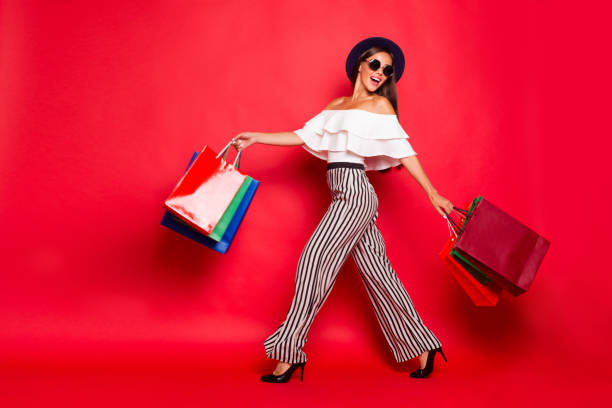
(349, 228)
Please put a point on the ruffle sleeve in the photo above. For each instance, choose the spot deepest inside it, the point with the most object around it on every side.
(378, 138)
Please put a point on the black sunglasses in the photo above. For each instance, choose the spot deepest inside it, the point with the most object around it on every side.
(375, 64)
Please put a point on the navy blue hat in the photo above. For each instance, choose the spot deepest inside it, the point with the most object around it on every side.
(398, 55)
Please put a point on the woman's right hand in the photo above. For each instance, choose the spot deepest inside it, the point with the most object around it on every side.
(441, 204)
(243, 140)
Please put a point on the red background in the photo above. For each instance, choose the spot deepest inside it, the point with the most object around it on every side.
(103, 103)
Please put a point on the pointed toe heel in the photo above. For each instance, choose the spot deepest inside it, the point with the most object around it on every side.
(424, 372)
(286, 376)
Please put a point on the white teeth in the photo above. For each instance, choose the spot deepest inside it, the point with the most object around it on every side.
(375, 79)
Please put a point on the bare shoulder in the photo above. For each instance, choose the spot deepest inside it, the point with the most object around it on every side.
(382, 105)
(335, 103)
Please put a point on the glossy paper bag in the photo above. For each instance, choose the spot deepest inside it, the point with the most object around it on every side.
(221, 227)
(221, 246)
(205, 191)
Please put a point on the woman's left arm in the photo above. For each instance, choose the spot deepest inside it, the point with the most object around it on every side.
(412, 164)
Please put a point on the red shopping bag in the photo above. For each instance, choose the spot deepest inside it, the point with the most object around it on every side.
(205, 191)
(481, 294)
(509, 251)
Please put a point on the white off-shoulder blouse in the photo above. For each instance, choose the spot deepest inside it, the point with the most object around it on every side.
(355, 135)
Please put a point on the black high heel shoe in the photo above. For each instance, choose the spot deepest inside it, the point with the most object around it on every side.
(286, 376)
(424, 372)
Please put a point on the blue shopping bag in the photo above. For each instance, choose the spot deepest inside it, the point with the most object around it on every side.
(172, 222)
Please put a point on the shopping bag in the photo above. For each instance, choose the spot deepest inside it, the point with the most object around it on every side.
(221, 227)
(481, 294)
(174, 223)
(219, 230)
(479, 273)
(508, 251)
(205, 191)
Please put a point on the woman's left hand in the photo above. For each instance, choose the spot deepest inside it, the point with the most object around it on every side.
(440, 203)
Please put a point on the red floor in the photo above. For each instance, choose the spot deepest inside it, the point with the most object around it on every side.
(528, 380)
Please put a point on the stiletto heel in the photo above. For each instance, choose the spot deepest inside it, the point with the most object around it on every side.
(424, 372)
(441, 352)
(286, 376)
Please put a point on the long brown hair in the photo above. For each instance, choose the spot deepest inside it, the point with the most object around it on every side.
(387, 89)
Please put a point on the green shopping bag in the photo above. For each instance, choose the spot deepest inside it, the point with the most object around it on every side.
(228, 214)
(221, 227)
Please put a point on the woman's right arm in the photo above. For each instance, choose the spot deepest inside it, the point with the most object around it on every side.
(245, 139)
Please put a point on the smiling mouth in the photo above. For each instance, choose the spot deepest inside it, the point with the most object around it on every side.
(375, 80)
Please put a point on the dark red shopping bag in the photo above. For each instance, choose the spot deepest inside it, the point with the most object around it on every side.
(481, 294)
(506, 249)
(205, 191)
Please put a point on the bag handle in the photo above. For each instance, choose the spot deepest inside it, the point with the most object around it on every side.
(451, 228)
(452, 224)
(460, 210)
(224, 153)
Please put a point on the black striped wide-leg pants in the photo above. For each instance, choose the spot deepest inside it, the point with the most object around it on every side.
(349, 228)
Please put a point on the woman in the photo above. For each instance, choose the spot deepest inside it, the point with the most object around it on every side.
(354, 134)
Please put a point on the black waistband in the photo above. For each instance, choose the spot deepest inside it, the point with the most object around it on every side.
(337, 165)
